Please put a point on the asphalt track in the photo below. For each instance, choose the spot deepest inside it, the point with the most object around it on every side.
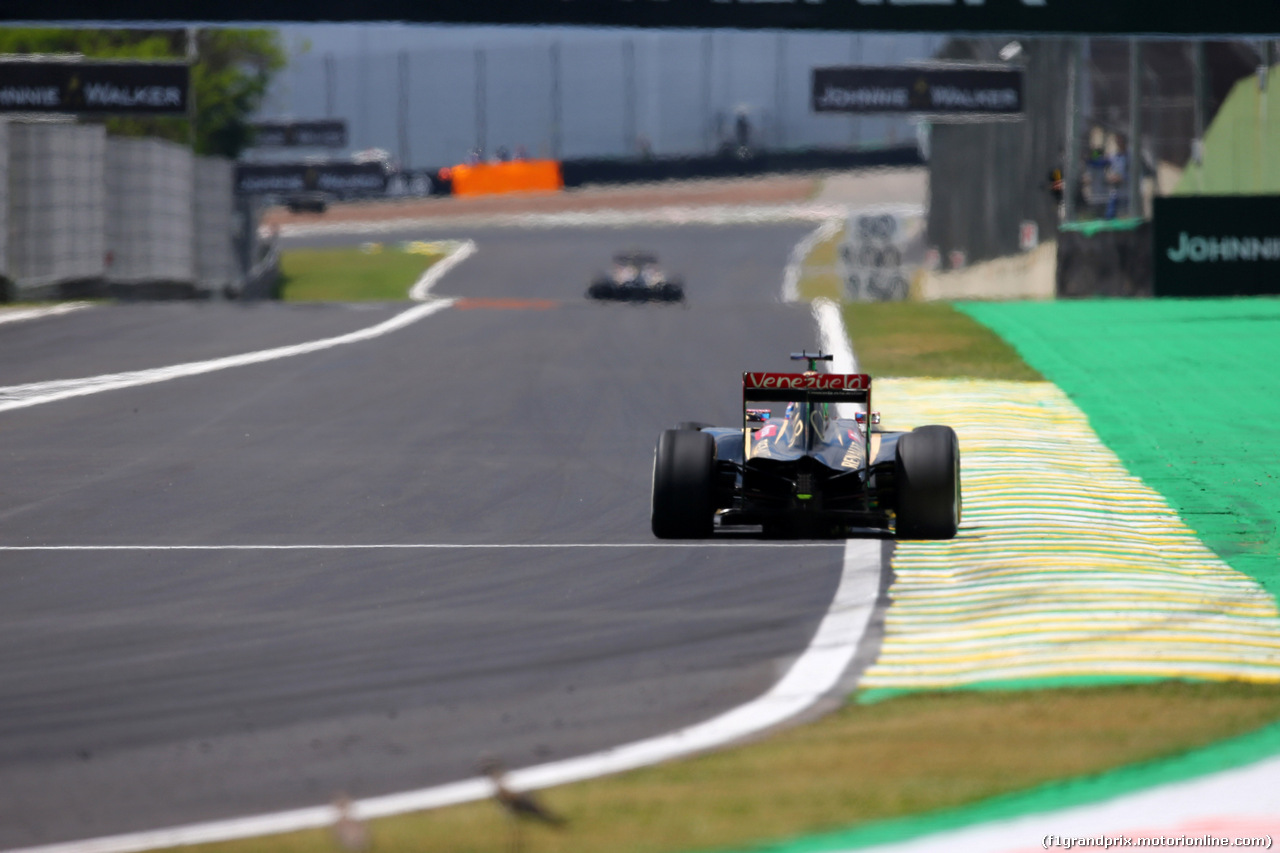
(156, 687)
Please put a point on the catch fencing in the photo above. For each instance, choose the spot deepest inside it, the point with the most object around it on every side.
(986, 180)
(84, 214)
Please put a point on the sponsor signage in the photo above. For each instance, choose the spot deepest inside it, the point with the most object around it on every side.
(1237, 17)
(93, 88)
(332, 178)
(322, 133)
(1216, 245)
(807, 381)
(933, 91)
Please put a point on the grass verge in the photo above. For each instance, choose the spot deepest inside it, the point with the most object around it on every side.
(353, 275)
(904, 756)
(930, 339)
(911, 338)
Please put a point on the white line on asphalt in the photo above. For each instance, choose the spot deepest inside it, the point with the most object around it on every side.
(459, 253)
(441, 546)
(35, 393)
(16, 314)
(810, 679)
(795, 262)
(600, 218)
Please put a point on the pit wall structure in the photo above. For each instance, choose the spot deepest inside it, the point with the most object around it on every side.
(84, 214)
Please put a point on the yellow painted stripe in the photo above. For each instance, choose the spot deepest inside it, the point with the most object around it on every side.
(1066, 565)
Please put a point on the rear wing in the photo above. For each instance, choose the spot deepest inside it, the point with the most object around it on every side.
(811, 387)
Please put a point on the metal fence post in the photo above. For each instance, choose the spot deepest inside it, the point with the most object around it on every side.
(1134, 176)
(557, 119)
(1071, 148)
(482, 130)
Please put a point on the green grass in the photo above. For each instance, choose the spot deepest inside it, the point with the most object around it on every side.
(929, 339)
(903, 756)
(351, 275)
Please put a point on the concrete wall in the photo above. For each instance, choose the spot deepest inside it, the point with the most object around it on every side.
(56, 205)
(216, 265)
(150, 226)
(82, 214)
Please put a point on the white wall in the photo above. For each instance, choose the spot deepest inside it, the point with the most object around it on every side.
(57, 203)
(150, 227)
(77, 206)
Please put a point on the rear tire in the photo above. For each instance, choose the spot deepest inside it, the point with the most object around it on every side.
(600, 290)
(926, 476)
(683, 504)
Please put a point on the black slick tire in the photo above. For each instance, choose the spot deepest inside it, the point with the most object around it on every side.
(683, 505)
(926, 476)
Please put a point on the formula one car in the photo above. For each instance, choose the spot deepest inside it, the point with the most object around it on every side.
(636, 277)
(807, 462)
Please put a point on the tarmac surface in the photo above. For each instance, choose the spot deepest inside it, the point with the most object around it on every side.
(155, 685)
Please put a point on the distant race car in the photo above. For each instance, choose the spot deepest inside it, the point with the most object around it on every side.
(803, 465)
(636, 277)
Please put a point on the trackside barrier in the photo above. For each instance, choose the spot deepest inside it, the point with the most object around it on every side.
(150, 223)
(1108, 257)
(513, 177)
(56, 207)
(87, 215)
(1217, 245)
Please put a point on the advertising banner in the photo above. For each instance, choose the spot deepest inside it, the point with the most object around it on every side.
(1216, 245)
(93, 88)
(339, 179)
(931, 91)
(320, 133)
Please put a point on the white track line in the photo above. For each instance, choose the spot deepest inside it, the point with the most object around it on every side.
(791, 275)
(600, 218)
(14, 315)
(458, 253)
(35, 393)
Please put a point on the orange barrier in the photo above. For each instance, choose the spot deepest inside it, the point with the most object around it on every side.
(517, 176)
